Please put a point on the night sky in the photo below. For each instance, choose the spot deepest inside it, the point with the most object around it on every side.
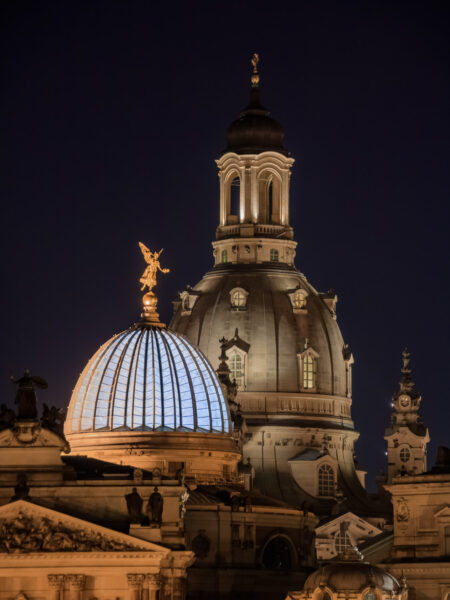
(112, 114)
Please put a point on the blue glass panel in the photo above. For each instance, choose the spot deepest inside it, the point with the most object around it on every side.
(104, 395)
(124, 382)
(87, 411)
(167, 400)
(186, 400)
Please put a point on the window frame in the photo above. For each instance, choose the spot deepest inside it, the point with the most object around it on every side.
(309, 353)
(330, 469)
(235, 351)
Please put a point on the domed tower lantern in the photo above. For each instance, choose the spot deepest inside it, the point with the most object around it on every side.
(254, 174)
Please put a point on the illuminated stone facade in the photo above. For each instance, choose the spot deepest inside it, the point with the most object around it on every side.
(285, 350)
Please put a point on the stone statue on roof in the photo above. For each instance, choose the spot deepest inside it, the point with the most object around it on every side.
(26, 395)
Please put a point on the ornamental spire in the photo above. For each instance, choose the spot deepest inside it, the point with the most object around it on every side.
(148, 280)
(255, 74)
(406, 382)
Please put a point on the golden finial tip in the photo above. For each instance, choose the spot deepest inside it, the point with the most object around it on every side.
(255, 74)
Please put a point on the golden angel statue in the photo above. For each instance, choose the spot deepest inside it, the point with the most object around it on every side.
(148, 278)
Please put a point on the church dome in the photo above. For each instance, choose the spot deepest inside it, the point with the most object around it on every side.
(255, 131)
(282, 314)
(351, 574)
(148, 379)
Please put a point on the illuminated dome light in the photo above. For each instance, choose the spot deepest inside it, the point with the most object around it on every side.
(148, 379)
(149, 398)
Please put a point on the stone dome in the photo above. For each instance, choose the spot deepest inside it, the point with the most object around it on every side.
(148, 379)
(273, 329)
(255, 131)
(352, 575)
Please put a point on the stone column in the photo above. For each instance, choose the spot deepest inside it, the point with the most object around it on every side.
(77, 583)
(154, 585)
(135, 581)
(55, 583)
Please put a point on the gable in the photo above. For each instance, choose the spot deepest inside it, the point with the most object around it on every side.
(355, 524)
(26, 527)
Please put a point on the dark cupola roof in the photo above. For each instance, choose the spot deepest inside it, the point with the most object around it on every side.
(255, 131)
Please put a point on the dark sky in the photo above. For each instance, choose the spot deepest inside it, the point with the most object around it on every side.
(112, 114)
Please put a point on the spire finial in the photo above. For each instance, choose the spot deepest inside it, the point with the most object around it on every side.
(148, 280)
(255, 74)
(406, 382)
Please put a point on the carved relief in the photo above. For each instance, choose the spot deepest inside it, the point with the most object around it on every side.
(402, 516)
(40, 534)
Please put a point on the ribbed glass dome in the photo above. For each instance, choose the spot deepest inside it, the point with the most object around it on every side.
(148, 379)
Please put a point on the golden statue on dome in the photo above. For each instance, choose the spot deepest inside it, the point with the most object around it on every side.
(255, 74)
(148, 280)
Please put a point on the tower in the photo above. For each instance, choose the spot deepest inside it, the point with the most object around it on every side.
(285, 349)
(407, 437)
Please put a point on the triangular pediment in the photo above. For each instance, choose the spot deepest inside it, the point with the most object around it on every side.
(363, 527)
(443, 513)
(27, 527)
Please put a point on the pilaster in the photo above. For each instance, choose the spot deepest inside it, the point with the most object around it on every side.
(55, 583)
(135, 582)
(77, 584)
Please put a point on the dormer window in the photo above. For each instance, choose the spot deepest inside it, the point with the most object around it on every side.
(308, 372)
(342, 542)
(299, 299)
(308, 369)
(236, 362)
(326, 480)
(238, 297)
(274, 255)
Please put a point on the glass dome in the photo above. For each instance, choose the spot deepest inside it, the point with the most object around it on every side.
(148, 379)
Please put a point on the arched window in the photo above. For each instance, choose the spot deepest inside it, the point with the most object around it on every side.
(277, 555)
(224, 256)
(270, 201)
(238, 298)
(308, 372)
(237, 372)
(370, 596)
(274, 255)
(342, 541)
(326, 480)
(405, 454)
(299, 299)
(235, 196)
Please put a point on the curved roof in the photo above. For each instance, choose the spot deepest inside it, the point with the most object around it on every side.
(351, 575)
(273, 332)
(148, 379)
(255, 131)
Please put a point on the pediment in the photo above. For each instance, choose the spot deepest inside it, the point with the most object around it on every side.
(361, 526)
(25, 435)
(29, 528)
(443, 513)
